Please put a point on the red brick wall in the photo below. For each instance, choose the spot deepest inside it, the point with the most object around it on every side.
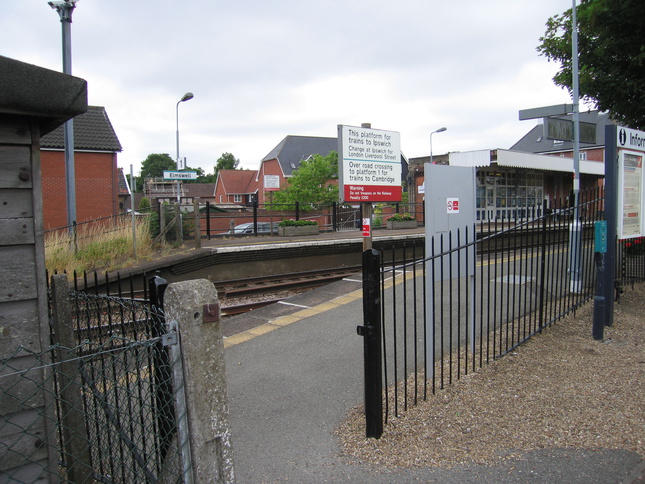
(96, 187)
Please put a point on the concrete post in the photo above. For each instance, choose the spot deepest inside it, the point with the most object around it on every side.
(193, 305)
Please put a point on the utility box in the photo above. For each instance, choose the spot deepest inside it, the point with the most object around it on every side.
(450, 215)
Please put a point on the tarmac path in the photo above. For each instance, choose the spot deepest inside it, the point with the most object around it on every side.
(296, 370)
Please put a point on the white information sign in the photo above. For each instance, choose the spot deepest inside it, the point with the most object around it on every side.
(369, 165)
(272, 182)
(631, 139)
(180, 175)
(452, 205)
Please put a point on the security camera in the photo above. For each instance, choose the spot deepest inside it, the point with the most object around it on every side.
(62, 3)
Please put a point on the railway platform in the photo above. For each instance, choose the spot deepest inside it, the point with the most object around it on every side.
(295, 369)
(238, 257)
(354, 236)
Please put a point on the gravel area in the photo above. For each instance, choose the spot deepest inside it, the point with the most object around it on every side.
(559, 390)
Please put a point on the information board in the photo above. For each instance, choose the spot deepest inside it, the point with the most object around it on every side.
(630, 193)
(369, 165)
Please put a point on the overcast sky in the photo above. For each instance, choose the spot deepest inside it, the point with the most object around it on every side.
(264, 69)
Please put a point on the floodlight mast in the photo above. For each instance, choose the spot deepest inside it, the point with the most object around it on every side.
(65, 9)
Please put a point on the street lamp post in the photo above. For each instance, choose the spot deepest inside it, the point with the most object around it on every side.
(440, 130)
(65, 9)
(186, 97)
(576, 227)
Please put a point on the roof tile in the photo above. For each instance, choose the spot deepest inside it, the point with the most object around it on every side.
(92, 131)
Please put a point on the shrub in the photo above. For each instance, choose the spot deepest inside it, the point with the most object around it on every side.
(397, 217)
(144, 205)
(296, 223)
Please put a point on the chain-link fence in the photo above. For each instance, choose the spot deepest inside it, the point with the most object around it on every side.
(98, 404)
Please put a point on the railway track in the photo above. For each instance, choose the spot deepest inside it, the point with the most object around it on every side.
(240, 296)
(282, 282)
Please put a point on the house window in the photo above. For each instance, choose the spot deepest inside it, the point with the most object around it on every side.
(583, 156)
(237, 198)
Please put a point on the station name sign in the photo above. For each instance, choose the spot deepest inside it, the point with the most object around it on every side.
(180, 175)
(369, 165)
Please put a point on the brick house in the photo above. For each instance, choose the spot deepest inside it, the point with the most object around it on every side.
(95, 162)
(286, 157)
(245, 186)
(236, 186)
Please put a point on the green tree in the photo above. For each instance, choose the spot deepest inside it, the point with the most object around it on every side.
(202, 177)
(611, 56)
(313, 183)
(155, 164)
(226, 162)
(144, 205)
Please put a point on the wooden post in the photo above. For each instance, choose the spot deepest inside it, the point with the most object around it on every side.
(271, 213)
(179, 236)
(75, 447)
(198, 228)
(162, 223)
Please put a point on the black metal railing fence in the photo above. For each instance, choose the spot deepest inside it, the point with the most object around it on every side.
(479, 293)
(331, 217)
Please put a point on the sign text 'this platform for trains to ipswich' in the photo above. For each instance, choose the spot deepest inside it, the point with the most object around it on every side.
(369, 165)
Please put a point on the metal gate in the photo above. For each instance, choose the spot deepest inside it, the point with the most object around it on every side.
(115, 407)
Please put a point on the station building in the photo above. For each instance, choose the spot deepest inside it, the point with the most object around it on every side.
(514, 183)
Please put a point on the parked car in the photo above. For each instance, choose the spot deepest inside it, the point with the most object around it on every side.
(246, 229)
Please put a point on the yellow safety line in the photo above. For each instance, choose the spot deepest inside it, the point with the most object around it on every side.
(334, 303)
(292, 318)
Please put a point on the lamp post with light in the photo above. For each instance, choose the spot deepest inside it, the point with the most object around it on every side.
(186, 97)
(65, 9)
(440, 130)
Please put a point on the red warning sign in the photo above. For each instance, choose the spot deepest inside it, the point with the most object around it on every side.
(453, 205)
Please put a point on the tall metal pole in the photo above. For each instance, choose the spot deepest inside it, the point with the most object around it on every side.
(134, 217)
(576, 228)
(576, 107)
(186, 97)
(65, 10)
